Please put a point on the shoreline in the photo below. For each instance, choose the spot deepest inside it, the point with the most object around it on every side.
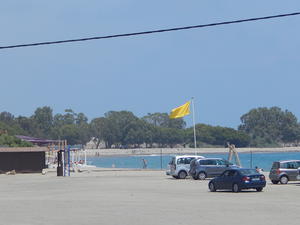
(181, 151)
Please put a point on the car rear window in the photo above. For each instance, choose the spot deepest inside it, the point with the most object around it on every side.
(275, 165)
(248, 172)
(172, 162)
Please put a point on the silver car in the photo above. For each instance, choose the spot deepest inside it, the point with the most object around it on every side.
(209, 167)
(284, 171)
(179, 165)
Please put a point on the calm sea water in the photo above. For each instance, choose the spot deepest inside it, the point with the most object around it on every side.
(262, 160)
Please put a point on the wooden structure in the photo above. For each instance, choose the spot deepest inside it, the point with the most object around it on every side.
(23, 160)
(233, 153)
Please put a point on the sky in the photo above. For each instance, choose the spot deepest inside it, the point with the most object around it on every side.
(229, 70)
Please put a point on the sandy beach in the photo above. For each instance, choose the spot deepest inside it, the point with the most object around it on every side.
(171, 151)
(139, 197)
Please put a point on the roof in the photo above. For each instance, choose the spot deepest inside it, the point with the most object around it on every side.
(213, 158)
(35, 140)
(285, 161)
(24, 149)
(186, 156)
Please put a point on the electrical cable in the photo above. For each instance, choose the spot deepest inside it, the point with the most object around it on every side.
(148, 32)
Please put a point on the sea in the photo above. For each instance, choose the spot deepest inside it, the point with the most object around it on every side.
(160, 162)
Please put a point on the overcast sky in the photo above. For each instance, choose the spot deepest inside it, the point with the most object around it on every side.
(228, 69)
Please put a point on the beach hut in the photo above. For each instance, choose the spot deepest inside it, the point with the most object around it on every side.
(23, 159)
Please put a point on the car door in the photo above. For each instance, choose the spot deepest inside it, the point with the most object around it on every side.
(180, 165)
(220, 167)
(229, 179)
(223, 180)
(292, 170)
(211, 169)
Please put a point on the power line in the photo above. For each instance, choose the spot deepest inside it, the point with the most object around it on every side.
(149, 32)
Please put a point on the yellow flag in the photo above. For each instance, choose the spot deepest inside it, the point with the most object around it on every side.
(180, 111)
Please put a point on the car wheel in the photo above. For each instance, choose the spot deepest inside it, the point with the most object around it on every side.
(201, 176)
(182, 175)
(284, 180)
(235, 188)
(259, 189)
(212, 187)
(275, 181)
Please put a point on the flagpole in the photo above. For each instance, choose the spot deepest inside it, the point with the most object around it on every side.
(195, 141)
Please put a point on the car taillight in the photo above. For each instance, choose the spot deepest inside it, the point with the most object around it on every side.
(246, 179)
(278, 171)
(262, 177)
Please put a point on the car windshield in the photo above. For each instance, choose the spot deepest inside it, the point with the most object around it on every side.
(248, 172)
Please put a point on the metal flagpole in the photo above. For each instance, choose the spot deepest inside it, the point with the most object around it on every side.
(195, 141)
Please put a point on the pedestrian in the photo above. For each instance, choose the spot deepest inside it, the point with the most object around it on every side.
(259, 170)
(144, 163)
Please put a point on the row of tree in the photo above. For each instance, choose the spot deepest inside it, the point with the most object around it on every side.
(122, 129)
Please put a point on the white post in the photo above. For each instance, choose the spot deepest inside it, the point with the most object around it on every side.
(73, 157)
(195, 141)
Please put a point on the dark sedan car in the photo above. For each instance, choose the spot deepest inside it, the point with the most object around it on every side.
(238, 179)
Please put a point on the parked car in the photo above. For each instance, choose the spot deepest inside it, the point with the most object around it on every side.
(237, 180)
(298, 176)
(209, 167)
(284, 171)
(179, 165)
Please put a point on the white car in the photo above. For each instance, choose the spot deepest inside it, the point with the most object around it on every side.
(179, 165)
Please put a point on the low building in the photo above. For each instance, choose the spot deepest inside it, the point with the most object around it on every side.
(23, 160)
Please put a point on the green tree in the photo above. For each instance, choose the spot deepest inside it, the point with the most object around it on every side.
(99, 129)
(28, 125)
(11, 141)
(71, 126)
(43, 119)
(81, 119)
(69, 117)
(7, 118)
(120, 124)
(70, 133)
(207, 135)
(270, 126)
(10, 124)
(163, 120)
(138, 133)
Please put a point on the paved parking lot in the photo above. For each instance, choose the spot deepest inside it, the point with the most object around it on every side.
(139, 198)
